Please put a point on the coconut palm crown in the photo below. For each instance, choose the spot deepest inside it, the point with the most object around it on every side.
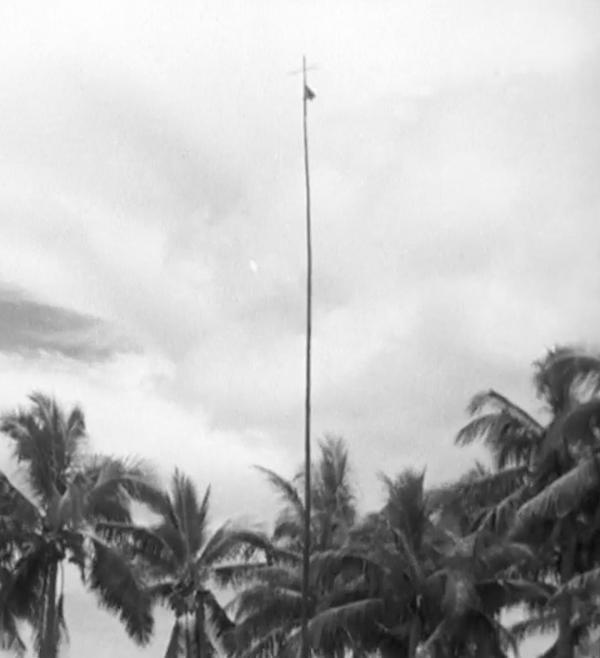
(180, 555)
(51, 521)
(267, 609)
(546, 482)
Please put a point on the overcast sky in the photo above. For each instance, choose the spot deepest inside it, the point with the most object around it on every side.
(152, 226)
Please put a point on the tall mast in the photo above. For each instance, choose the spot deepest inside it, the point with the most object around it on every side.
(305, 653)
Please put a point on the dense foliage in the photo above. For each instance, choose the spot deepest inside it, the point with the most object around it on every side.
(430, 574)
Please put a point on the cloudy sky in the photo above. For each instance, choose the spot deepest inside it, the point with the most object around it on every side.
(152, 236)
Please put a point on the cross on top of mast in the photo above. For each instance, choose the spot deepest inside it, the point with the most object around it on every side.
(305, 69)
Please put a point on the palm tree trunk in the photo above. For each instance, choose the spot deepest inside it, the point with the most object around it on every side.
(199, 628)
(49, 635)
(564, 645)
(415, 633)
(188, 638)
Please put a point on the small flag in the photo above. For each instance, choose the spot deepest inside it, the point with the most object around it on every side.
(309, 94)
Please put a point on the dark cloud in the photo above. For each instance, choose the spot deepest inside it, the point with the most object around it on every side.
(28, 327)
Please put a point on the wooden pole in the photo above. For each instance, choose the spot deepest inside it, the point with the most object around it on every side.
(305, 653)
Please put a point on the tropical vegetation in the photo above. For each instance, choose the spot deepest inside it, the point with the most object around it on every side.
(431, 573)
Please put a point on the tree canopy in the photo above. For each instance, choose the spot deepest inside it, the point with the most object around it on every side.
(430, 573)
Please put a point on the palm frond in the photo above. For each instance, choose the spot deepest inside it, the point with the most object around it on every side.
(75, 436)
(239, 573)
(137, 540)
(281, 555)
(487, 427)
(113, 508)
(162, 591)
(489, 636)
(502, 554)
(589, 647)
(51, 420)
(576, 429)
(325, 566)
(460, 594)
(411, 559)
(369, 531)
(262, 601)
(502, 593)
(288, 527)
(261, 610)
(338, 625)
(291, 647)
(176, 646)
(582, 423)
(279, 576)
(286, 490)
(509, 443)
(561, 496)
(332, 489)
(495, 401)
(10, 638)
(34, 443)
(541, 623)
(189, 511)
(218, 618)
(494, 487)
(475, 498)
(589, 581)
(551, 652)
(119, 481)
(500, 517)
(71, 506)
(349, 589)
(173, 538)
(406, 505)
(562, 371)
(13, 537)
(266, 646)
(27, 584)
(202, 517)
(15, 504)
(427, 648)
(228, 542)
(74, 542)
(119, 590)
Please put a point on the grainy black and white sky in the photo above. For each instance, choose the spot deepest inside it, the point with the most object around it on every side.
(151, 226)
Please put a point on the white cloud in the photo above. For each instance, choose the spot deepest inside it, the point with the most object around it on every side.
(126, 416)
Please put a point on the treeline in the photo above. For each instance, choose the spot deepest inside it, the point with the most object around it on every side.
(429, 574)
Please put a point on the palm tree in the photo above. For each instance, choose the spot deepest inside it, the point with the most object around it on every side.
(406, 583)
(11, 532)
(332, 496)
(551, 474)
(52, 522)
(180, 556)
(478, 576)
(268, 609)
(383, 572)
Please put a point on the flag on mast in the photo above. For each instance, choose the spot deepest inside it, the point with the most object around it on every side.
(309, 94)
